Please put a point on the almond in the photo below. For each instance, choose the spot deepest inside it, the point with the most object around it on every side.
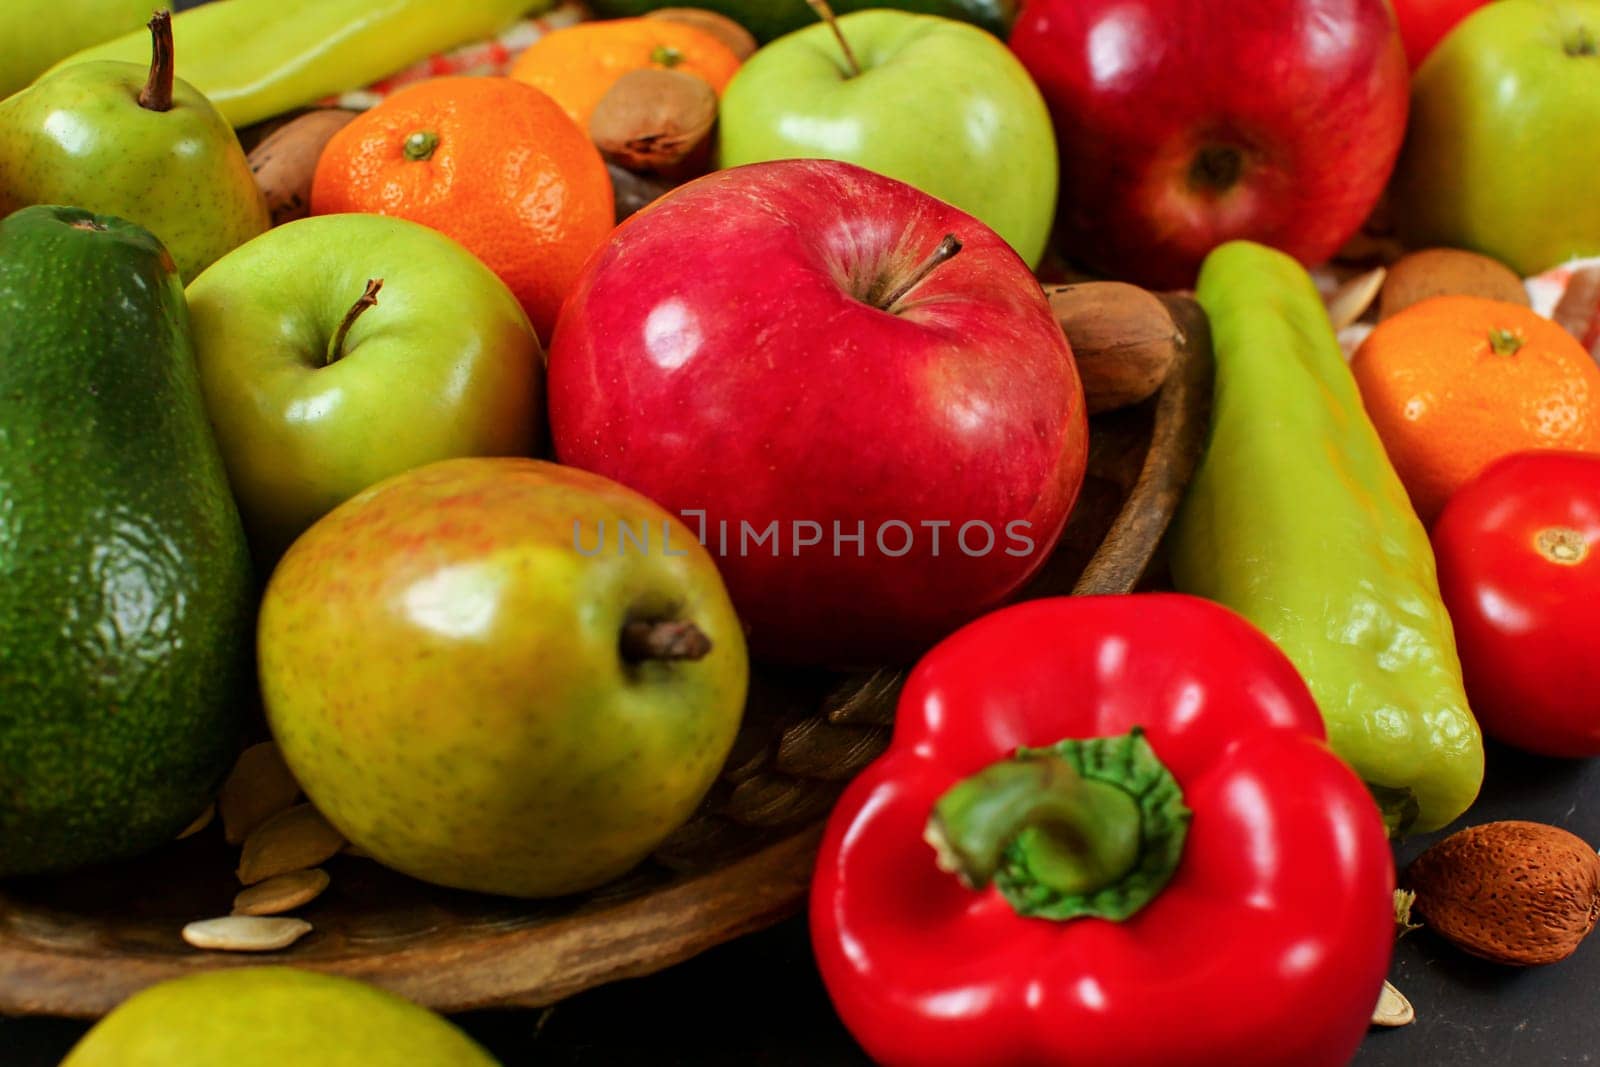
(1123, 340)
(286, 161)
(740, 41)
(1518, 893)
(1447, 272)
(259, 787)
(293, 840)
(653, 120)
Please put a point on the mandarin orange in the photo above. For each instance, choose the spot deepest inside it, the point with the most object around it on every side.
(1455, 382)
(576, 65)
(491, 162)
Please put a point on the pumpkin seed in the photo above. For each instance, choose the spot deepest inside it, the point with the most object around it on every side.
(245, 933)
(1352, 299)
(282, 893)
(1393, 1008)
(259, 787)
(201, 821)
(292, 840)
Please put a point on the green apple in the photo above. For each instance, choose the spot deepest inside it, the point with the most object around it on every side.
(135, 142)
(271, 1017)
(502, 674)
(317, 391)
(938, 104)
(1502, 153)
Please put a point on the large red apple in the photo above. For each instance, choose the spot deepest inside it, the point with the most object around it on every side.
(1183, 124)
(879, 439)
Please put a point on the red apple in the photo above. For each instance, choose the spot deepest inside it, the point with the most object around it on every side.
(1423, 23)
(790, 349)
(1183, 124)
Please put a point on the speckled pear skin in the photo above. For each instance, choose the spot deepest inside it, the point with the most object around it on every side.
(78, 137)
(442, 670)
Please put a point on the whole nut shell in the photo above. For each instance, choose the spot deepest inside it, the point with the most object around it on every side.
(652, 120)
(1447, 272)
(1123, 340)
(740, 41)
(286, 161)
(1518, 893)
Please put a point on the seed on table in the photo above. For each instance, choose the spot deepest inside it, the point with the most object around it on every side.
(201, 821)
(282, 893)
(293, 840)
(259, 787)
(1393, 1008)
(245, 933)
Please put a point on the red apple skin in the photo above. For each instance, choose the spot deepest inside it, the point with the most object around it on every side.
(715, 357)
(1312, 94)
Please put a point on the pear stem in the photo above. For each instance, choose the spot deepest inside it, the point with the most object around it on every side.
(368, 299)
(663, 639)
(825, 13)
(157, 92)
(947, 250)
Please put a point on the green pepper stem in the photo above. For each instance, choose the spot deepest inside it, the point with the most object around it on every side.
(1079, 835)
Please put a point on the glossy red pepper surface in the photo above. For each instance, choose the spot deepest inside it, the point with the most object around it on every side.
(1268, 946)
(1518, 549)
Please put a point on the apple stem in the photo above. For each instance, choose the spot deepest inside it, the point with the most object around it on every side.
(369, 298)
(157, 92)
(825, 13)
(663, 639)
(947, 250)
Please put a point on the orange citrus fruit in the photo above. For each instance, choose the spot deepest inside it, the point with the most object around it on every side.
(491, 162)
(577, 64)
(1456, 382)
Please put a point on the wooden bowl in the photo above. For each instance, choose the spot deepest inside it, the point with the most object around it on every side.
(78, 945)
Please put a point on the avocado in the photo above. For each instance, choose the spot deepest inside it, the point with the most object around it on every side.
(774, 18)
(126, 598)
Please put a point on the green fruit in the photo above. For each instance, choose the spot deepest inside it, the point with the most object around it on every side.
(444, 364)
(125, 587)
(938, 104)
(1501, 154)
(81, 136)
(271, 1017)
(36, 33)
(774, 18)
(477, 696)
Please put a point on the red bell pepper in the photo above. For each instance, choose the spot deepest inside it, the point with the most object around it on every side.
(1519, 566)
(1158, 862)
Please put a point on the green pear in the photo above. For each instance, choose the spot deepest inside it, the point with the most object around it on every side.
(116, 139)
(271, 1017)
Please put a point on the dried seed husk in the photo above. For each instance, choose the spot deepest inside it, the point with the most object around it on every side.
(1447, 272)
(1351, 301)
(740, 41)
(259, 787)
(282, 893)
(293, 840)
(245, 933)
(1518, 893)
(1123, 340)
(1393, 1008)
(201, 821)
(653, 120)
(286, 161)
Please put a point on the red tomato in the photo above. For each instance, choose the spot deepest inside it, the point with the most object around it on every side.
(1519, 565)
(1423, 23)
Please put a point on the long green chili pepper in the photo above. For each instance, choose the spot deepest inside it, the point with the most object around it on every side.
(1297, 521)
(258, 58)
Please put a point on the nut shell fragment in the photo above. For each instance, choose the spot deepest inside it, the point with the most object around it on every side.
(1447, 272)
(653, 120)
(259, 787)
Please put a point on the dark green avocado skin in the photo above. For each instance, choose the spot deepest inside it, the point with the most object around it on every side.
(126, 598)
(774, 18)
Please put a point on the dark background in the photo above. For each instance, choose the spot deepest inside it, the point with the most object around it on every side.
(758, 1002)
